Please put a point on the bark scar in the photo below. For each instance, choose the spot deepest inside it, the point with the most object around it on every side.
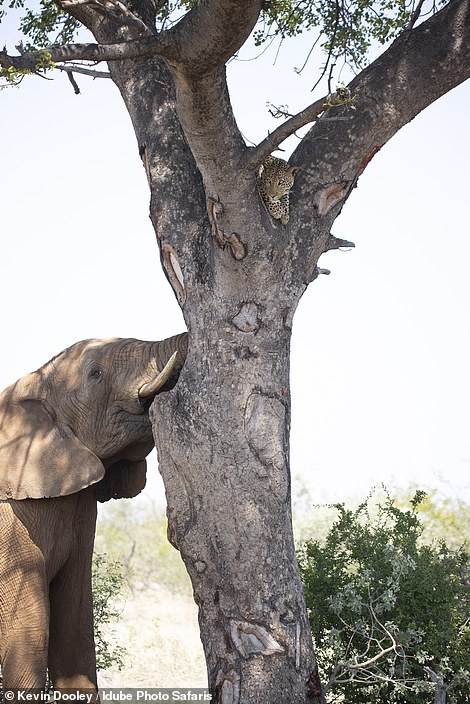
(228, 686)
(253, 639)
(314, 688)
(264, 428)
(174, 272)
(330, 196)
(237, 247)
(367, 159)
(215, 208)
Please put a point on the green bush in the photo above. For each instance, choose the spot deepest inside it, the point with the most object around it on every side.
(389, 614)
(107, 584)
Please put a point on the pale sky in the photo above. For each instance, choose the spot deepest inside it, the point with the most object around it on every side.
(381, 347)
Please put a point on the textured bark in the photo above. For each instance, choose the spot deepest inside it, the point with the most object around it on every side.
(223, 432)
(223, 455)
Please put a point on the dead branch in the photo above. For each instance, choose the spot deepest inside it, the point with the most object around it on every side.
(85, 70)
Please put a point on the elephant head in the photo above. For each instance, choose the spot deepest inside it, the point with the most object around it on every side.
(82, 419)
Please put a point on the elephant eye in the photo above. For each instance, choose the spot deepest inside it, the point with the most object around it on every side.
(96, 374)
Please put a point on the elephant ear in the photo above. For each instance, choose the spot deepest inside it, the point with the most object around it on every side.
(38, 457)
(123, 480)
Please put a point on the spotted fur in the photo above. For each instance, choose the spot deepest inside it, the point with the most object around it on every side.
(275, 180)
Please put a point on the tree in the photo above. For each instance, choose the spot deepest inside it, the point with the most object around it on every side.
(388, 612)
(222, 434)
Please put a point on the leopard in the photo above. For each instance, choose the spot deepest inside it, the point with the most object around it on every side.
(275, 180)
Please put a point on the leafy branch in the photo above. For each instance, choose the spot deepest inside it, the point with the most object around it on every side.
(14, 75)
(28, 61)
(347, 28)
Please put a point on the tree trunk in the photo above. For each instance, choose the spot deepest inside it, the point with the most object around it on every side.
(222, 438)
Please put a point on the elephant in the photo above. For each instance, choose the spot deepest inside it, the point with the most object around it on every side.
(72, 433)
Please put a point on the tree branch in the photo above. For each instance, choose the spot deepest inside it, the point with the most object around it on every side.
(257, 155)
(210, 34)
(415, 16)
(133, 49)
(203, 39)
(116, 9)
(420, 66)
(74, 83)
(207, 119)
(84, 70)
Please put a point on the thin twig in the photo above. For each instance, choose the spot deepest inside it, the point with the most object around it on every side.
(330, 50)
(74, 83)
(299, 70)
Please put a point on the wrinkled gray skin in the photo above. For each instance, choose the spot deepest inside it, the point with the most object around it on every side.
(73, 432)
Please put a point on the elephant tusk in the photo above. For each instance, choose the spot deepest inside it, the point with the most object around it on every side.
(152, 387)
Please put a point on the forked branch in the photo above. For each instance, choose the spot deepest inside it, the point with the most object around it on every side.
(212, 32)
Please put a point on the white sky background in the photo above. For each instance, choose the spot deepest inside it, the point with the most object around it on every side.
(381, 347)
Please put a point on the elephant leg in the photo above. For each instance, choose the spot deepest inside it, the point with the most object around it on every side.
(72, 659)
(24, 606)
